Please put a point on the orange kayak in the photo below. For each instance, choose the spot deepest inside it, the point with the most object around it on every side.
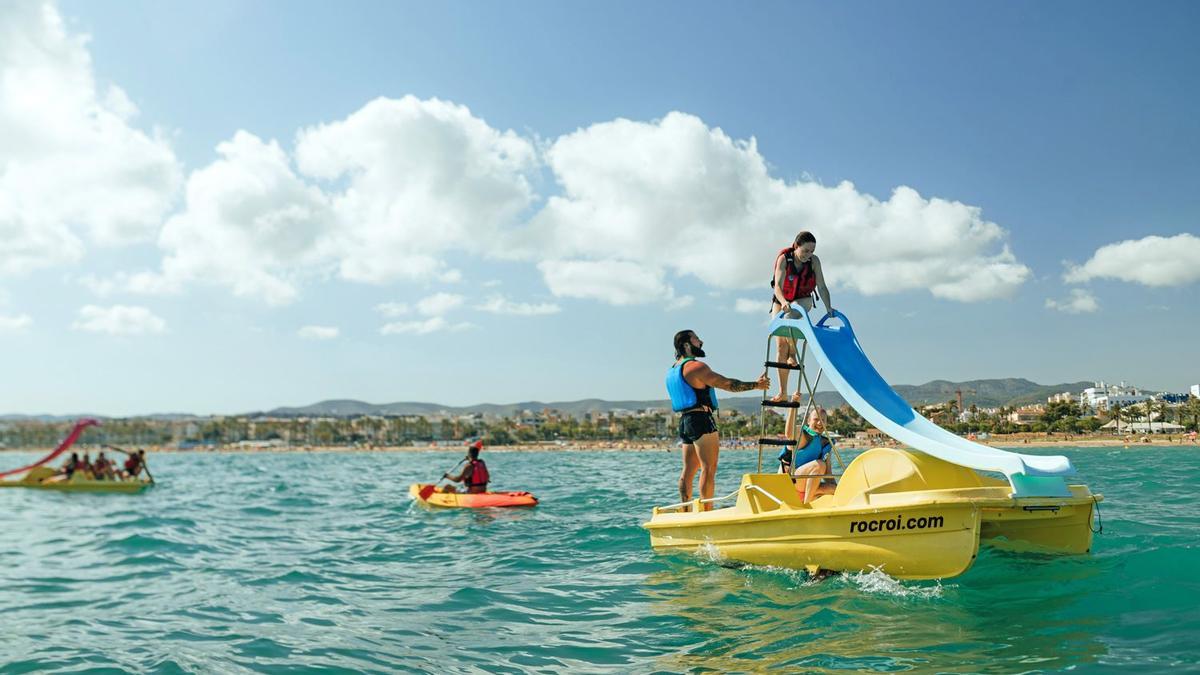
(466, 500)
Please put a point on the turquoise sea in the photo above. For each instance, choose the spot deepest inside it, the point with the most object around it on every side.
(319, 562)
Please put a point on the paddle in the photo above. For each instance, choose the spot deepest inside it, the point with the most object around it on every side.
(428, 489)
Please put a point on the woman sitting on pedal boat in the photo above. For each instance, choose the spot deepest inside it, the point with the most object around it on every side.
(810, 459)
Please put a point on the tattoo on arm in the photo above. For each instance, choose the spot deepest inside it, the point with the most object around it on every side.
(738, 385)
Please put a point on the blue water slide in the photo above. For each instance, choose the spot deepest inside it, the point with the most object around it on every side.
(843, 361)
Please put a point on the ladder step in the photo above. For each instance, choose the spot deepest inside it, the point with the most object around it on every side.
(775, 441)
(785, 366)
(780, 404)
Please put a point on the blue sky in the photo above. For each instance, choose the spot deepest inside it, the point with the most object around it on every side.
(536, 196)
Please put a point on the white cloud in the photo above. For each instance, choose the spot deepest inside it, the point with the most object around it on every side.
(424, 177)
(1152, 261)
(433, 307)
(381, 196)
(1080, 302)
(432, 324)
(249, 224)
(73, 165)
(681, 302)
(751, 306)
(143, 283)
(674, 195)
(612, 281)
(392, 310)
(14, 324)
(318, 332)
(440, 303)
(119, 320)
(498, 304)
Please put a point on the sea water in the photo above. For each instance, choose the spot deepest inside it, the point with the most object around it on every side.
(320, 561)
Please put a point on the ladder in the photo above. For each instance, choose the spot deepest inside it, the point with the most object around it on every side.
(802, 381)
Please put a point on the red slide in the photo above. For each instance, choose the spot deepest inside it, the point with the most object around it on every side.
(62, 447)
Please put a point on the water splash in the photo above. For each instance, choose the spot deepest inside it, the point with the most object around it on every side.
(877, 582)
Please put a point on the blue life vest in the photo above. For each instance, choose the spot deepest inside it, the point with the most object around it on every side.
(826, 443)
(683, 395)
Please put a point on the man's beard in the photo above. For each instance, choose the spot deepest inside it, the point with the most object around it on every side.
(698, 352)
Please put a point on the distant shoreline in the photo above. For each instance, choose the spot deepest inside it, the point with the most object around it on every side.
(740, 445)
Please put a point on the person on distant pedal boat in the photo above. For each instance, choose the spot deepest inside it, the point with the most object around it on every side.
(102, 468)
(810, 459)
(691, 385)
(69, 466)
(797, 275)
(474, 476)
(85, 467)
(134, 463)
(65, 471)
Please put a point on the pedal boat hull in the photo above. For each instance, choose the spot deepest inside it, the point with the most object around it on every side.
(906, 513)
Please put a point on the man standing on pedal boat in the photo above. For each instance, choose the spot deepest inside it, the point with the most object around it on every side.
(691, 384)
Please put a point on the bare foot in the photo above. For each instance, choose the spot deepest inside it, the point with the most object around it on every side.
(778, 398)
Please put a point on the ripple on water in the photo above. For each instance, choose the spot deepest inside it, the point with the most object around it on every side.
(309, 562)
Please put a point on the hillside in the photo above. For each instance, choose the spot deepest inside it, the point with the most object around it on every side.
(987, 394)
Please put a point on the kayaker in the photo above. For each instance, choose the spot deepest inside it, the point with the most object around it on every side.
(797, 275)
(691, 384)
(811, 457)
(474, 476)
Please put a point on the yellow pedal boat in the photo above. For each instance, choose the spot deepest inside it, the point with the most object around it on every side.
(909, 514)
(42, 478)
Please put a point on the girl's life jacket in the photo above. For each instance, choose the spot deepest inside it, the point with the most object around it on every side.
(799, 281)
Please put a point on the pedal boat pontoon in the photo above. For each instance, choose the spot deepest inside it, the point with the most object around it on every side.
(906, 513)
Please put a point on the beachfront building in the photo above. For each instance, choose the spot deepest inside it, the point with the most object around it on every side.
(872, 435)
(1026, 414)
(1106, 397)
(529, 418)
(1065, 397)
(1195, 390)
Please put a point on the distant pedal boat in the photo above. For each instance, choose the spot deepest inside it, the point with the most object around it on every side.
(40, 479)
(468, 500)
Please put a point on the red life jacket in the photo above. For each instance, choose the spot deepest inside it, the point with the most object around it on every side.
(798, 282)
(478, 474)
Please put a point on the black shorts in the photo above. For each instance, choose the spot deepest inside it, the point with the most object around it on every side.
(695, 424)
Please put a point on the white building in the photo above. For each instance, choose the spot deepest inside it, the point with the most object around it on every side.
(1105, 396)
(1065, 397)
(1195, 390)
